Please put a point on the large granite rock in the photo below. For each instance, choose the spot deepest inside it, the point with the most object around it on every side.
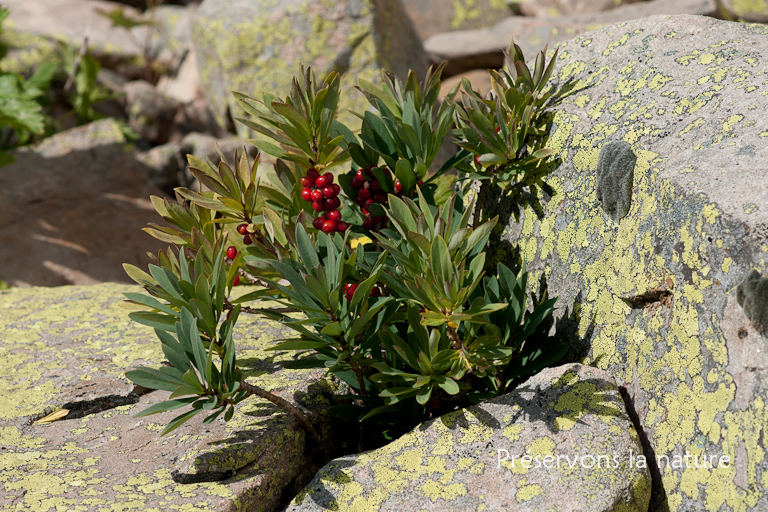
(72, 209)
(743, 10)
(552, 8)
(69, 347)
(654, 296)
(482, 47)
(256, 46)
(432, 17)
(583, 454)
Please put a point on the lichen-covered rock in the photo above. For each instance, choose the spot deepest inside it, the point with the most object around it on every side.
(432, 17)
(150, 113)
(69, 347)
(582, 454)
(744, 10)
(256, 46)
(554, 8)
(653, 298)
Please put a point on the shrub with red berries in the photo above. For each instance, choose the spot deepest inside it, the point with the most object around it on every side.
(352, 229)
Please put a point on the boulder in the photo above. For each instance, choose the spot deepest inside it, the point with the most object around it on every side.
(741, 10)
(72, 209)
(67, 349)
(554, 8)
(561, 441)
(658, 258)
(482, 48)
(432, 17)
(150, 112)
(257, 46)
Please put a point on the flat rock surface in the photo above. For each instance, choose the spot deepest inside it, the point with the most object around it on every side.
(651, 296)
(70, 347)
(72, 209)
(472, 459)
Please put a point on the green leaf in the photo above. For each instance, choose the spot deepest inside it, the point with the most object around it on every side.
(168, 405)
(154, 379)
(179, 421)
(298, 345)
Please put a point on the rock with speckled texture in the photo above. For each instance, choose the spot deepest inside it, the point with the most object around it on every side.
(553, 8)
(432, 17)
(257, 46)
(69, 347)
(569, 421)
(653, 298)
(744, 10)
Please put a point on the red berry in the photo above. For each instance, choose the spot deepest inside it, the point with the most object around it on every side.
(306, 194)
(247, 239)
(420, 182)
(381, 197)
(328, 178)
(362, 175)
(368, 203)
(341, 226)
(321, 182)
(329, 227)
(242, 229)
(357, 182)
(330, 192)
(236, 281)
(398, 187)
(316, 195)
(378, 220)
(375, 186)
(334, 215)
(367, 224)
(318, 206)
(307, 183)
(317, 223)
(386, 171)
(312, 174)
(332, 204)
(350, 291)
(231, 252)
(363, 195)
(375, 292)
(498, 129)
(477, 159)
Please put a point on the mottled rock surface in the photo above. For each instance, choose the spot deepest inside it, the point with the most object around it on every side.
(256, 46)
(432, 17)
(70, 347)
(564, 419)
(744, 10)
(652, 297)
(72, 209)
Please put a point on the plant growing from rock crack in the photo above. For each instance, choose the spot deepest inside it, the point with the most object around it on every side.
(385, 266)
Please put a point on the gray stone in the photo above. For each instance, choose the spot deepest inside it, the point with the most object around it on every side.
(566, 419)
(67, 349)
(554, 8)
(653, 299)
(256, 46)
(432, 17)
(482, 48)
(150, 113)
(743, 10)
(72, 209)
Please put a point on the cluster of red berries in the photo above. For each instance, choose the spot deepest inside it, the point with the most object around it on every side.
(349, 291)
(323, 193)
(369, 192)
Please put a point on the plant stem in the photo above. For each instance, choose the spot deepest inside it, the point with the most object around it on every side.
(454, 337)
(286, 406)
(484, 184)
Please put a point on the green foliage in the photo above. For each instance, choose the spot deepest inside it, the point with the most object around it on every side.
(504, 133)
(194, 378)
(402, 312)
(20, 108)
